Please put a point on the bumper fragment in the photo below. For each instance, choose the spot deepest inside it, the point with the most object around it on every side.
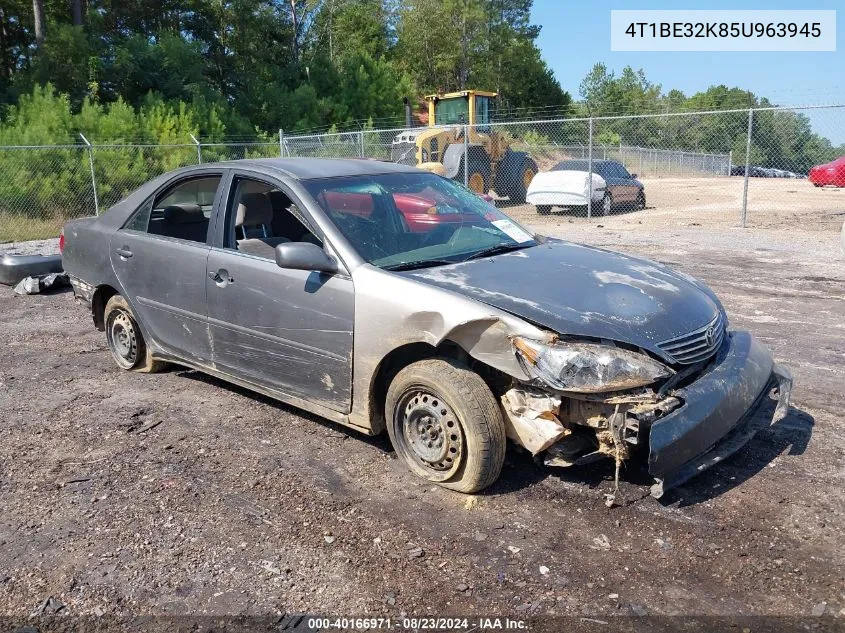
(14, 268)
(718, 417)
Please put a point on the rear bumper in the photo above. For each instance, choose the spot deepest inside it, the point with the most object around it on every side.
(13, 268)
(718, 416)
(558, 199)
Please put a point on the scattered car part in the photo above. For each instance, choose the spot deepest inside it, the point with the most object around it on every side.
(531, 418)
(14, 268)
(42, 283)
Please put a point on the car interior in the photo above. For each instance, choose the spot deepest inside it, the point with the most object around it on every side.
(262, 217)
(183, 212)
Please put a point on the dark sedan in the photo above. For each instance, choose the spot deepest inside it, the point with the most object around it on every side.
(624, 191)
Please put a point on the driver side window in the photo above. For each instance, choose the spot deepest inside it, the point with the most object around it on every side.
(260, 216)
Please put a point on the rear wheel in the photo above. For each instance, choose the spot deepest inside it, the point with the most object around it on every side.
(444, 421)
(544, 209)
(126, 342)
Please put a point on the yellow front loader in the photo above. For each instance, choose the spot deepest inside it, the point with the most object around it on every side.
(442, 148)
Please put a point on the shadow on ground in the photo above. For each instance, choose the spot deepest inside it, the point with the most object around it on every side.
(789, 436)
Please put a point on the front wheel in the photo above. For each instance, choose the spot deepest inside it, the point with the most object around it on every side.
(639, 205)
(544, 209)
(444, 421)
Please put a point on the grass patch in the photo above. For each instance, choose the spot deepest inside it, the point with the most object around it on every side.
(20, 228)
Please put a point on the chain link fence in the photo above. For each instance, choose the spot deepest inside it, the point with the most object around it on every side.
(730, 168)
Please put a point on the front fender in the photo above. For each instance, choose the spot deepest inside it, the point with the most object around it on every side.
(393, 311)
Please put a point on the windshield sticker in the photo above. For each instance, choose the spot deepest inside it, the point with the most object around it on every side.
(512, 231)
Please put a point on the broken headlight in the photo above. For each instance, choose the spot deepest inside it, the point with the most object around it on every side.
(587, 367)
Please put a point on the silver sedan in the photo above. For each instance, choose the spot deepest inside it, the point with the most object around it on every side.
(386, 298)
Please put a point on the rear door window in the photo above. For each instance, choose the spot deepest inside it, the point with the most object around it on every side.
(182, 211)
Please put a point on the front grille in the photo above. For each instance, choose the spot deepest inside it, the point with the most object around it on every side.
(697, 345)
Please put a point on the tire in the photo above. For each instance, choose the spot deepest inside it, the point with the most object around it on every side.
(478, 182)
(518, 187)
(604, 206)
(479, 169)
(444, 421)
(639, 205)
(126, 342)
(544, 209)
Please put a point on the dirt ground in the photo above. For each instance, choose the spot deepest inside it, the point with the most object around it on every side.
(175, 493)
(717, 202)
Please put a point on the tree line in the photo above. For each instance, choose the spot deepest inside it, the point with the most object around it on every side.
(247, 65)
(156, 71)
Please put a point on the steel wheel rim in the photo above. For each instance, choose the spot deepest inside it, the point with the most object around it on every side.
(430, 433)
(605, 204)
(476, 182)
(122, 338)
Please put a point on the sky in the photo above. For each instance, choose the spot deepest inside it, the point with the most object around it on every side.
(576, 34)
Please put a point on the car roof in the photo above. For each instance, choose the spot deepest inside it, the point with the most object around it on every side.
(596, 161)
(310, 168)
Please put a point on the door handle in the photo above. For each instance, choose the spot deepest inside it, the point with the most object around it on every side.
(124, 252)
(220, 277)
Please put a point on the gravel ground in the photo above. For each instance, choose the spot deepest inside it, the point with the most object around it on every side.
(175, 493)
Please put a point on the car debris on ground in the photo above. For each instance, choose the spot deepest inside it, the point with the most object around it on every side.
(42, 283)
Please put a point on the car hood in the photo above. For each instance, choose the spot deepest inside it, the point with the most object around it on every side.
(584, 291)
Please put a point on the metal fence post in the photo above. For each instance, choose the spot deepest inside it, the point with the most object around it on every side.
(747, 165)
(281, 143)
(730, 161)
(466, 157)
(93, 177)
(361, 144)
(590, 169)
(199, 149)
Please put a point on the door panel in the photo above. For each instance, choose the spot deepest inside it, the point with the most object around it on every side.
(164, 280)
(290, 330)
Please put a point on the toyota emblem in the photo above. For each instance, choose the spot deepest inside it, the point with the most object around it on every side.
(710, 336)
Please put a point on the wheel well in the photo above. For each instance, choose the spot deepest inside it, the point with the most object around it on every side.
(98, 305)
(403, 356)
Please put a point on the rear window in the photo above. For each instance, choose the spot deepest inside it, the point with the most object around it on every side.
(574, 165)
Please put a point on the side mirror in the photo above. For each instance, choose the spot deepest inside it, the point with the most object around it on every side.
(304, 256)
(633, 176)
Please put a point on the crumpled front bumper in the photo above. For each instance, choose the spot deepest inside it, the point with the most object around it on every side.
(717, 418)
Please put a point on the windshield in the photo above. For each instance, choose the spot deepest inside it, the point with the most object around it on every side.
(415, 219)
(450, 111)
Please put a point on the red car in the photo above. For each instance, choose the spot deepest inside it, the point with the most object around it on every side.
(421, 213)
(832, 173)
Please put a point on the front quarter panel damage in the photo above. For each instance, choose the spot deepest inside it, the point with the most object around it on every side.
(392, 311)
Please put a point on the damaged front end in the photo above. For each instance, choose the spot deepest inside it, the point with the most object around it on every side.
(587, 401)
